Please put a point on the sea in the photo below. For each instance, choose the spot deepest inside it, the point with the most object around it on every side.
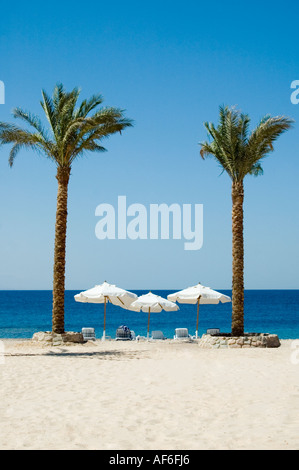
(22, 313)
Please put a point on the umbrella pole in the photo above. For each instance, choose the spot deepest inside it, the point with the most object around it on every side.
(104, 332)
(148, 322)
(196, 332)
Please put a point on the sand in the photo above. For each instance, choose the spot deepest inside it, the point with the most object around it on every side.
(160, 395)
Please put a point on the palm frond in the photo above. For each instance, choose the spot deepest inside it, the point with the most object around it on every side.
(237, 151)
(74, 130)
(31, 119)
(256, 170)
(20, 138)
(88, 105)
(49, 110)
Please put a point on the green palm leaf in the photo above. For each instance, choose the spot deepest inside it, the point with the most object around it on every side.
(238, 151)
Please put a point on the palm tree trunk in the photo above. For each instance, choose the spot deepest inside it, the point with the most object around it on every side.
(238, 259)
(62, 176)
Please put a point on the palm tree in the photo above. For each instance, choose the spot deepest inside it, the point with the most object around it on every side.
(73, 130)
(239, 152)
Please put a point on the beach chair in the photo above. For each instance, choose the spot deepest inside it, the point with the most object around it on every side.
(181, 333)
(157, 335)
(123, 333)
(213, 331)
(88, 334)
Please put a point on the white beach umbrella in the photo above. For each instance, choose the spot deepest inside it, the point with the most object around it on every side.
(153, 303)
(104, 293)
(198, 294)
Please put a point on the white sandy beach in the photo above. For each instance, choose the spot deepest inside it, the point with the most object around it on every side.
(148, 395)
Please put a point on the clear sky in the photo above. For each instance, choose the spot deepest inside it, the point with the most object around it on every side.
(170, 64)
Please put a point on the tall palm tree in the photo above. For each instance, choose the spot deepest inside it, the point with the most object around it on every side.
(73, 130)
(239, 152)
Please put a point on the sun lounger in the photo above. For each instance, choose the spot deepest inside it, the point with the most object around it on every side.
(182, 333)
(213, 331)
(123, 333)
(157, 335)
(88, 334)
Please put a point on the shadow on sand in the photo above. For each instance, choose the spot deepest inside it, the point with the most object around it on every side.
(81, 354)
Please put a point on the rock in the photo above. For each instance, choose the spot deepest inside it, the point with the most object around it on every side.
(69, 337)
(42, 336)
(72, 337)
(273, 341)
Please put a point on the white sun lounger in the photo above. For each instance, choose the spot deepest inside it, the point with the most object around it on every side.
(157, 335)
(182, 333)
(88, 334)
(213, 331)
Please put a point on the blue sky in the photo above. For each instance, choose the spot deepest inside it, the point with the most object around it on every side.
(170, 65)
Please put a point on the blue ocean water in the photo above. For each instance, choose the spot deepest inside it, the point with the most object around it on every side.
(23, 313)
